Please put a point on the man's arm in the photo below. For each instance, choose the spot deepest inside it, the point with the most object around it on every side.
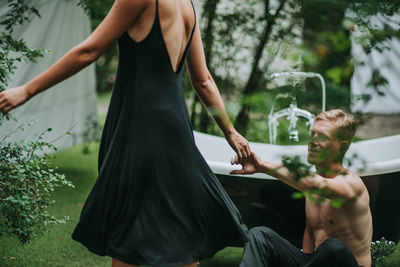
(345, 186)
(308, 240)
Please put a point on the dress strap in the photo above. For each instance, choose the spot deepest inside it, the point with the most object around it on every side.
(195, 18)
(156, 8)
(194, 24)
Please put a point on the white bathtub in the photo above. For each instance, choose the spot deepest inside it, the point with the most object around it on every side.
(375, 156)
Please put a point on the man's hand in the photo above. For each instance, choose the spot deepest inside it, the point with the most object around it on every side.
(250, 165)
(12, 98)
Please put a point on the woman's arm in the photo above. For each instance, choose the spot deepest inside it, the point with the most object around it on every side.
(207, 90)
(122, 15)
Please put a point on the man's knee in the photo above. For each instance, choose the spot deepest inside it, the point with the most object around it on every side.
(264, 237)
(261, 232)
(257, 252)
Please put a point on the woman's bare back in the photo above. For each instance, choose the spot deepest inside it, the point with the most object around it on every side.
(177, 19)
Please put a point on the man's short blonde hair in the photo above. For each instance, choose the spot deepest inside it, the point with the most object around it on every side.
(346, 125)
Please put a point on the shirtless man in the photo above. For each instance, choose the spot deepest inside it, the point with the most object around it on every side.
(333, 236)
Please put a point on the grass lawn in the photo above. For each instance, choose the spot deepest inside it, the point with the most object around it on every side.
(56, 248)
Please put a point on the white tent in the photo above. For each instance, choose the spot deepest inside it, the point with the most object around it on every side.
(387, 62)
(69, 104)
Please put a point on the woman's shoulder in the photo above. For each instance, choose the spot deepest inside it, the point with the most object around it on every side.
(136, 3)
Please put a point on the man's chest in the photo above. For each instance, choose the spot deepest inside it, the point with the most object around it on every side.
(322, 216)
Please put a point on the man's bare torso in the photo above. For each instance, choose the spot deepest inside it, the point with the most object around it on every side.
(351, 223)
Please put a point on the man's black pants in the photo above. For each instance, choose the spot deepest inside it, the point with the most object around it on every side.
(266, 248)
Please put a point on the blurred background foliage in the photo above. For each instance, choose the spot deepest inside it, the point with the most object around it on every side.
(246, 41)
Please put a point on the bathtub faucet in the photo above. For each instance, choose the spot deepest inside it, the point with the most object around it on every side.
(292, 113)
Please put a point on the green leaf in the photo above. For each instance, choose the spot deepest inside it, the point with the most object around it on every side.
(298, 195)
(337, 202)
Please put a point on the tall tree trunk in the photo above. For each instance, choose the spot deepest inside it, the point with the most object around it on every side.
(242, 119)
(209, 13)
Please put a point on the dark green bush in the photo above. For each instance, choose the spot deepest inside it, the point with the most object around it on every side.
(380, 249)
(26, 183)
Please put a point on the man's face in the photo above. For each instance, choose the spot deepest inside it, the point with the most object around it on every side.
(322, 145)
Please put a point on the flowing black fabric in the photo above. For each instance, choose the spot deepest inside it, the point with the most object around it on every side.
(156, 201)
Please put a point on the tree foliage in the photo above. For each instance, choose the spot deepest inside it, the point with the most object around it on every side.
(11, 50)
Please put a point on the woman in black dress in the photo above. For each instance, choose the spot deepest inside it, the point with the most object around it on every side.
(155, 201)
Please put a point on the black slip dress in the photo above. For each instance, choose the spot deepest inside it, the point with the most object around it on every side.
(155, 202)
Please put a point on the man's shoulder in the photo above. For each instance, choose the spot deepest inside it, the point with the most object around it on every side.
(350, 177)
(354, 181)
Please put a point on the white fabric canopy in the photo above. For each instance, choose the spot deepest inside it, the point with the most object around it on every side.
(69, 104)
(388, 63)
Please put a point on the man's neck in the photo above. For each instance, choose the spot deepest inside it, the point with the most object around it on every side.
(329, 169)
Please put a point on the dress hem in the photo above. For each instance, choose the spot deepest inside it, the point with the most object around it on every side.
(172, 264)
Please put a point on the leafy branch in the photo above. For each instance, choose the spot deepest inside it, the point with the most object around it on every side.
(26, 183)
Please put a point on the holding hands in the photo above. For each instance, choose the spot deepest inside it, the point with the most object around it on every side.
(250, 164)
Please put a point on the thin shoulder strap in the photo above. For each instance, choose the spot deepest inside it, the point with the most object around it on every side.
(156, 8)
(195, 20)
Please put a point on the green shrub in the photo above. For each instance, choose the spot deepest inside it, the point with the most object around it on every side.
(26, 183)
(380, 249)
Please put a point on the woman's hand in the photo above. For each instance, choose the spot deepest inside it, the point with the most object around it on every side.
(250, 164)
(239, 144)
(12, 98)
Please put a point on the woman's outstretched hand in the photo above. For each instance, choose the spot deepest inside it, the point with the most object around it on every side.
(250, 164)
(239, 144)
(12, 98)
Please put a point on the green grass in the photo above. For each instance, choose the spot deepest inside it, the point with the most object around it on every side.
(56, 248)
